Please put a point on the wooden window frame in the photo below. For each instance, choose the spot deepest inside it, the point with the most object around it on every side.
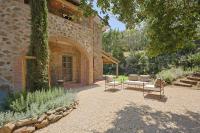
(64, 68)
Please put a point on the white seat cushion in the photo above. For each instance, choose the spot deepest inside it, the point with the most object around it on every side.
(135, 82)
(113, 83)
(133, 77)
(151, 88)
(145, 78)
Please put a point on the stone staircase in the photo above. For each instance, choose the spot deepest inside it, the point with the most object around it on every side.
(193, 78)
(189, 81)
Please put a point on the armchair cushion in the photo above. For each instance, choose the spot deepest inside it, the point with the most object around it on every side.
(151, 88)
(109, 79)
(133, 77)
(145, 78)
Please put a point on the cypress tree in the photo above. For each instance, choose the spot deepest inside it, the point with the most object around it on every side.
(38, 69)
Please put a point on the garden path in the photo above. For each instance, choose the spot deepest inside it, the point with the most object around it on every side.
(127, 111)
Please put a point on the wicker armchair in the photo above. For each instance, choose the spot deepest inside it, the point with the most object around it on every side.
(158, 86)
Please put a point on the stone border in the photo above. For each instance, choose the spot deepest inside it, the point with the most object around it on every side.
(32, 124)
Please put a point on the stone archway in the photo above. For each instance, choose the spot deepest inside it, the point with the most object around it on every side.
(82, 65)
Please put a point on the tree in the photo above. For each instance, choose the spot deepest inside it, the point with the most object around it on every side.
(38, 69)
(113, 43)
(172, 23)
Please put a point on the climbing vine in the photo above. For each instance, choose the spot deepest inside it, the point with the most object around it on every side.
(38, 69)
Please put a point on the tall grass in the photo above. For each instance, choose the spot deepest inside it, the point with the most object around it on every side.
(20, 106)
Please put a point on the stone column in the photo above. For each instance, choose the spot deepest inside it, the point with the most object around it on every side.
(91, 70)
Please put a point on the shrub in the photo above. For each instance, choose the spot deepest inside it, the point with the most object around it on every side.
(33, 104)
(138, 63)
(24, 102)
(172, 74)
(194, 59)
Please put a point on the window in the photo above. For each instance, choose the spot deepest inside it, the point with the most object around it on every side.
(67, 68)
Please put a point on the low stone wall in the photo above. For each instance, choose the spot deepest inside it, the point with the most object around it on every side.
(32, 124)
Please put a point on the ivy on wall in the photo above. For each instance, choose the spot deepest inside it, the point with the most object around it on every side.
(38, 69)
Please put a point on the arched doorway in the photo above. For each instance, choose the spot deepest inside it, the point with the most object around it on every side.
(69, 62)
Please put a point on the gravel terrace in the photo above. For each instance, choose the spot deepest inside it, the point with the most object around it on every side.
(127, 111)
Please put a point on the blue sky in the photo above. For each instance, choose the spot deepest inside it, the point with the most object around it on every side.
(113, 22)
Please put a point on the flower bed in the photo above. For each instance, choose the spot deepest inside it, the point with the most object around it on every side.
(27, 112)
(29, 125)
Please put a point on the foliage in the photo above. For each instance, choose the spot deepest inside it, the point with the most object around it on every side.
(112, 43)
(122, 78)
(22, 106)
(137, 63)
(24, 102)
(194, 59)
(117, 43)
(38, 69)
(129, 47)
(128, 40)
(171, 24)
(169, 75)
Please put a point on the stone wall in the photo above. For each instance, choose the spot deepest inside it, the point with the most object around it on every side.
(98, 62)
(77, 33)
(15, 38)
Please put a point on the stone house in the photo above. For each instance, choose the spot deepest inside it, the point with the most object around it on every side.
(75, 44)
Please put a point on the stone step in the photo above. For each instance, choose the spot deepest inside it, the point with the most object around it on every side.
(189, 81)
(182, 84)
(197, 74)
(193, 78)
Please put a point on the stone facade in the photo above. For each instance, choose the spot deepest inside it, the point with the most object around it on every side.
(98, 62)
(15, 23)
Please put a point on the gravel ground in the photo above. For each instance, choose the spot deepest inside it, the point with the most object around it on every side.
(127, 111)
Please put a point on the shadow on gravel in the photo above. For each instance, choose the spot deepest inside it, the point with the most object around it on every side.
(134, 89)
(156, 97)
(82, 88)
(112, 90)
(143, 119)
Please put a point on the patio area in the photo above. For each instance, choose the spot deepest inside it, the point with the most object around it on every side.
(127, 111)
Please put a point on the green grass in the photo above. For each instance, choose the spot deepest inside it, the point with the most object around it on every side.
(122, 77)
(33, 104)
